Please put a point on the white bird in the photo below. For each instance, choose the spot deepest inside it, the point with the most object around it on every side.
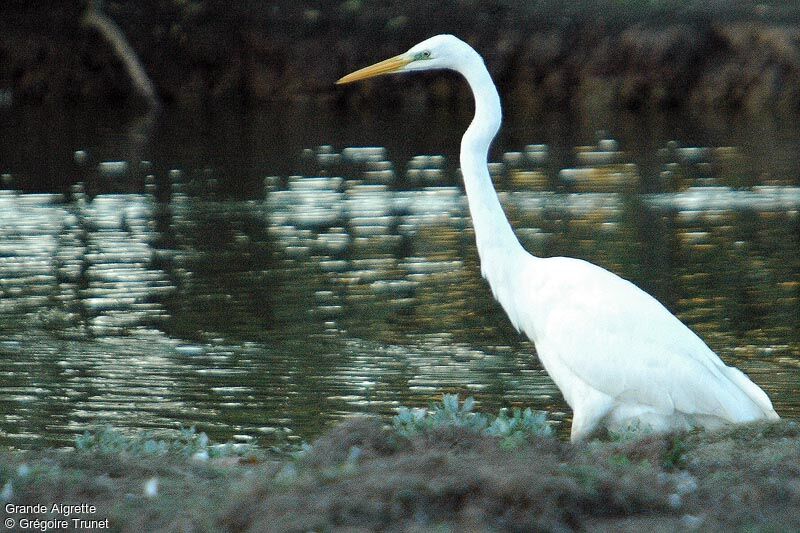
(619, 357)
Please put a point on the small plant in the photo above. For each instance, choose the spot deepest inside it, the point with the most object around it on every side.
(449, 412)
(514, 429)
(634, 430)
(188, 443)
(674, 456)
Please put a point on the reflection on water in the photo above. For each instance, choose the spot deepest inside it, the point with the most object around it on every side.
(355, 286)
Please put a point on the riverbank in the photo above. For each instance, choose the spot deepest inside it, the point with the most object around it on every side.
(585, 55)
(451, 472)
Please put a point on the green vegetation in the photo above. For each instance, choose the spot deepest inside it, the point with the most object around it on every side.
(448, 468)
(514, 430)
(188, 443)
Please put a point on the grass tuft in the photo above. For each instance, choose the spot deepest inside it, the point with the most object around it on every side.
(188, 443)
(514, 430)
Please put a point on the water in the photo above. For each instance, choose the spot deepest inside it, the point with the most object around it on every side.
(258, 274)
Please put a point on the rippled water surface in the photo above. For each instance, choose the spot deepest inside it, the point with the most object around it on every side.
(254, 276)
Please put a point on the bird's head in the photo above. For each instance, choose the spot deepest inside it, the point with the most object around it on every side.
(438, 52)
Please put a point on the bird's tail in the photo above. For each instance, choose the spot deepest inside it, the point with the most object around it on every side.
(754, 392)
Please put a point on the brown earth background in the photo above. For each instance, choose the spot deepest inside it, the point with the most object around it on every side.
(635, 54)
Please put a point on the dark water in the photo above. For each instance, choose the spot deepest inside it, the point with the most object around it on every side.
(253, 274)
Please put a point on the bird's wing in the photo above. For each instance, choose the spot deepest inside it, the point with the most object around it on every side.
(619, 340)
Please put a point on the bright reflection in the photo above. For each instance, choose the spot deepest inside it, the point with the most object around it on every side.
(356, 288)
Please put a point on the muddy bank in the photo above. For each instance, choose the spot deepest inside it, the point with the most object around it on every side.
(590, 54)
(363, 476)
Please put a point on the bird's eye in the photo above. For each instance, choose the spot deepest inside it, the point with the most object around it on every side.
(426, 54)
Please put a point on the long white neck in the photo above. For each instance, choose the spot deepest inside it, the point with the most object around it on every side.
(498, 247)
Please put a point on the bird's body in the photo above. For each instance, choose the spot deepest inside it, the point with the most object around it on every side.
(619, 357)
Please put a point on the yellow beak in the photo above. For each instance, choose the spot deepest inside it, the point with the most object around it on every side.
(393, 64)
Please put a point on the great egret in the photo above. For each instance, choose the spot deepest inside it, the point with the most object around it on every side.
(619, 357)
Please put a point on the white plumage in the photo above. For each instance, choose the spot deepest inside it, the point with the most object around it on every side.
(619, 357)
